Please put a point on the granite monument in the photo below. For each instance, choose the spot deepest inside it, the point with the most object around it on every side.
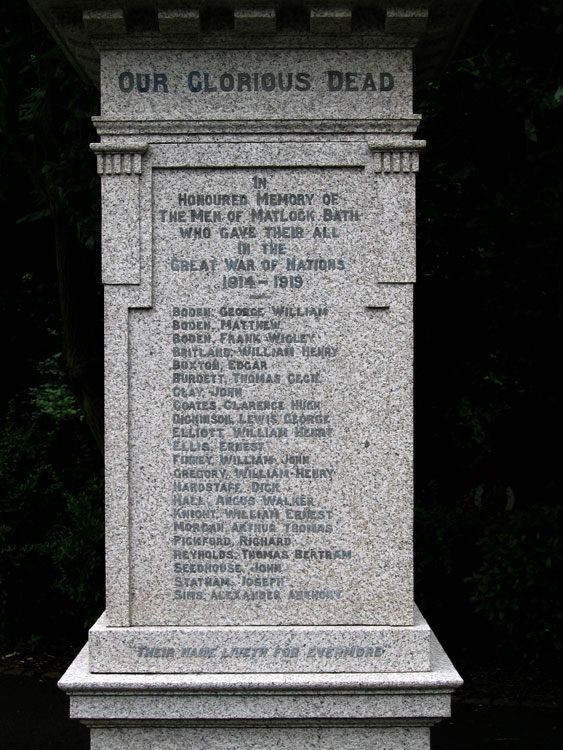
(257, 165)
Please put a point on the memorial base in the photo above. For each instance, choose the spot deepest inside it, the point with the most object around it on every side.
(285, 711)
(257, 649)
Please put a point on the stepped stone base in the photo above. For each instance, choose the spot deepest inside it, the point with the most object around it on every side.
(285, 711)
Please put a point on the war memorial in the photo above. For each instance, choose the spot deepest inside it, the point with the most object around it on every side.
(257, 164)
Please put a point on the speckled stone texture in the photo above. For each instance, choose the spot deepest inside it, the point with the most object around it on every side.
(255, 84)
(258, 262)
(331, 711)
(260, 649)
(259, 417)
(257, 738)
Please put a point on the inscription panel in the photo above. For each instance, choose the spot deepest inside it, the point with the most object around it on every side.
(259, 406)
(255, 84)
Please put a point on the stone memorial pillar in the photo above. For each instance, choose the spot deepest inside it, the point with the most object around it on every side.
(257, 164)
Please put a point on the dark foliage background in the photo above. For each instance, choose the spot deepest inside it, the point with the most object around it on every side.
(489, 519)
(51, 496)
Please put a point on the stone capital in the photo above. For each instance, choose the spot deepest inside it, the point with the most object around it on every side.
(119, 158)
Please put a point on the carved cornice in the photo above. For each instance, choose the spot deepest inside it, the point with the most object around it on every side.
(120, 166)
(83, 27)
(290, 128)
(119, 158)
(394, 157)
(397, 161)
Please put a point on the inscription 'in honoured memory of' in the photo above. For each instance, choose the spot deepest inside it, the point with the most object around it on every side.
(254, 274)
(237, 544)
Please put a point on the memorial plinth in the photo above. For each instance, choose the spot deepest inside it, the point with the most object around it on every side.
(258, 165)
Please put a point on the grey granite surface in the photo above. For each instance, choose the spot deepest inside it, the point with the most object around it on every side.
(434, 27)
(258, 261)
(194, 689)
(255, 84)
(261, 453)
(350, 711)
(260, 649)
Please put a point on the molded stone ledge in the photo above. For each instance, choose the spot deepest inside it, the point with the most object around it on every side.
(291, 128)
(260, 649)
(407, 699)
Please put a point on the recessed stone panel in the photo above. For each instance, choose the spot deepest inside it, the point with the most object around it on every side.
(264, 388)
